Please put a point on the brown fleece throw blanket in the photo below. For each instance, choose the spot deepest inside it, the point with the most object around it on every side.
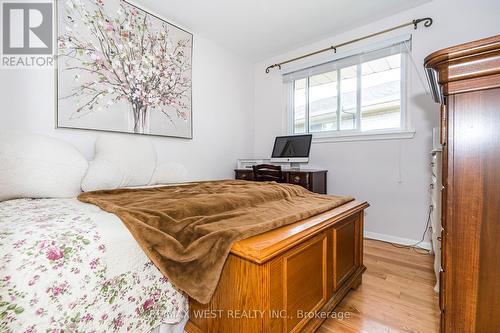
(187, 230)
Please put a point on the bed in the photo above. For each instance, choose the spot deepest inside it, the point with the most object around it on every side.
(62, 268)
(213, 256)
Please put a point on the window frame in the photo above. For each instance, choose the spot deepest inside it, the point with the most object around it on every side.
(405, 130)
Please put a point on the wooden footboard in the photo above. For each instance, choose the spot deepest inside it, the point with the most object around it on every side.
(288, 279)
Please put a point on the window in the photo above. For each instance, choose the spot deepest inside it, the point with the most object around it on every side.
(356, 95)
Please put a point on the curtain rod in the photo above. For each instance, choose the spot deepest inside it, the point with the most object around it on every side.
(427, 23)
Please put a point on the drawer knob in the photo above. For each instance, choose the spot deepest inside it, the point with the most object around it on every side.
(296, 179)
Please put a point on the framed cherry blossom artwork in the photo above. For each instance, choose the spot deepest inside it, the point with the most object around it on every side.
(122, 69)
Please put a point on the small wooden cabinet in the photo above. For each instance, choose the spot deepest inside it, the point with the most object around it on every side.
(311, 179)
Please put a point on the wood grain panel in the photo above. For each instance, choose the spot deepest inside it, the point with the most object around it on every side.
(467, 191)
(304, 281)
(473, 84)
(473, 141)
(242, 289)
(299, 178)
(345, 252)
(318, 182)
(243, 174)
(487, 104)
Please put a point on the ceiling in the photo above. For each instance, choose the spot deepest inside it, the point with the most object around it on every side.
(257, 29)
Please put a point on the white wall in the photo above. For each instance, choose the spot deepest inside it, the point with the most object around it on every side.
(393, 175)
(237, 113)
(222, 112)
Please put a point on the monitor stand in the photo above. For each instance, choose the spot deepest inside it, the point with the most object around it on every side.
(294, 166)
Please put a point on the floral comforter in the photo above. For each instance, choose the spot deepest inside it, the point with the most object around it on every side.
(68, 266)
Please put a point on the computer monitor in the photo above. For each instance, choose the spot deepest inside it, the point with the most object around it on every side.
(292, 149)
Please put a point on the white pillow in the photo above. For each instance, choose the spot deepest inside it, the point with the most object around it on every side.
(168, 173)
(102, 175)
(37, 166)
(120, 161)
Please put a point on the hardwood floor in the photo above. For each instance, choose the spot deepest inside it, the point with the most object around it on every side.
(396, 294)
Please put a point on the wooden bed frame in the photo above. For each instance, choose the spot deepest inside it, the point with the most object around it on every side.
(288, 279)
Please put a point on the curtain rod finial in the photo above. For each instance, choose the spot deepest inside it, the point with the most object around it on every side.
(268, 69)
(427, 22)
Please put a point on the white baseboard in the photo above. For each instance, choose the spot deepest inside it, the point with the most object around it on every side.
(396, 240)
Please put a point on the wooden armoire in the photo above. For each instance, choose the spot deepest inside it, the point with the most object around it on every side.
(465, 79)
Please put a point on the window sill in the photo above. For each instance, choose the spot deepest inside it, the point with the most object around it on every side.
(366, 136)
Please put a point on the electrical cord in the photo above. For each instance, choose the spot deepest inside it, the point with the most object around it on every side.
(415, 247)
